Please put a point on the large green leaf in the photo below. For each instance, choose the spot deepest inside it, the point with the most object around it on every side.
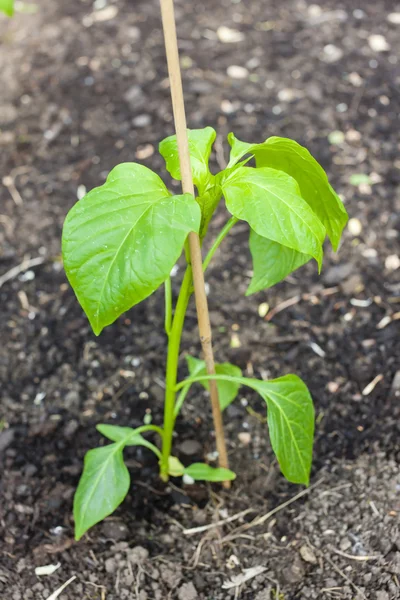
(270, 201)
(203, 472)
(227, 390)
(102, 487)
(272, 262)
(290, 416)
(7, 7)
(295, 160)
(122, 239)
(200, 144)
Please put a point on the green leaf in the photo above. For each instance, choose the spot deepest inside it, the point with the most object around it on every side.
(270, 201)
(200, 144)
(208, 202)
(7, 7)
(295, 160)
(175, 467)
(122, 239)
(238, 150)
(272, 262)
(102, 487)
(290, 416)
(119, 434)
(203, 472)
(227, 390)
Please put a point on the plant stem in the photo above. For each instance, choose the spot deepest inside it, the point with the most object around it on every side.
(174, 342)
(198, 378)
(221, 236)
(181, 399)
(168, 305)
(178, 105)
(155, 428)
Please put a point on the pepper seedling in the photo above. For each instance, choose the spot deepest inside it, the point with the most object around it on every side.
(120, 243)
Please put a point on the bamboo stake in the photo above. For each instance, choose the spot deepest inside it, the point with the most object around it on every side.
(178, 104)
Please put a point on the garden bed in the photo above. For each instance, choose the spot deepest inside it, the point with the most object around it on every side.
(85, 89)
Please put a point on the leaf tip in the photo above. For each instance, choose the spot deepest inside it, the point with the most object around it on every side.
(79, 531)
(249, 291)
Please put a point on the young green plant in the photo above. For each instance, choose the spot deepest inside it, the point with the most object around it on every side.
(120, 243)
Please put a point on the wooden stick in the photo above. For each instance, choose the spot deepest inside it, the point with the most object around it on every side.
(171, 46)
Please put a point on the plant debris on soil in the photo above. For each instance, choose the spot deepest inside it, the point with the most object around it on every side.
(84, 87)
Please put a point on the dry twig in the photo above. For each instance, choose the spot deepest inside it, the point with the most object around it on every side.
(202, 528)
(24, 266)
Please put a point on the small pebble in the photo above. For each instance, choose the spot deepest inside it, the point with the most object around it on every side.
(244, 438)
(237, 72)
(336, 137)
(141, 121)
(354, 226)
(345, 544)
(106, 14)
(191, 448)
(332, 53)
(308, 555)
(81, 192)
(378, 43)
(288, 95)
(394, 18)
(187, 591)
(355, 79)
(353, 285)
(144, 151)
(229, 36)
(263, 309)
(392, 262)
(227, 107)
(352, 135)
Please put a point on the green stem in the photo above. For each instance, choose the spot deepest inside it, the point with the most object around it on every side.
(181, 399)
(221, 236)
(174, 342)
(155, 428)
(168, 305)
(190, 380)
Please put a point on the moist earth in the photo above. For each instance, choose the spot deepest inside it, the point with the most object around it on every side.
(84, 87)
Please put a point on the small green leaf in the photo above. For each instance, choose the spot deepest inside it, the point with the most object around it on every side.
(272, 262)
(208, 202)
(175, 467)
(200, 144)
(7, 7)
(359, 178)
(122, 239)
(227, 390)
(290, 416)
(203, 472)
(270, 201)
(119, 434)
(128, 435)
(295, 160)
(238, 150)
(290, 419)
(102, 487)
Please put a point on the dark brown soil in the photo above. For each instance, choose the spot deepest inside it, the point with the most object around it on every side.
(83, 89)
